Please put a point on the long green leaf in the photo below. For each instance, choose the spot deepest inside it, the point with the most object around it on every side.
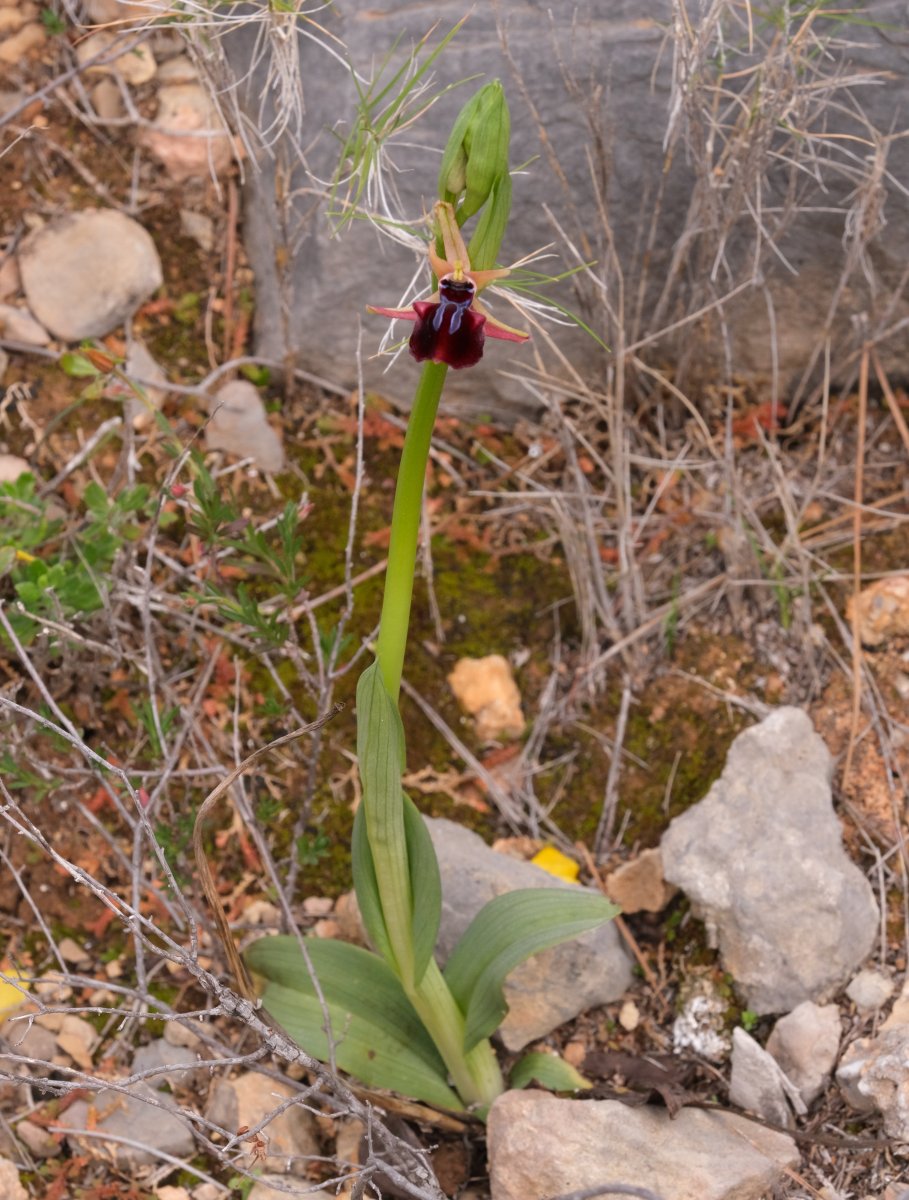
(425, 887)
(380, 752)
(549, 1070)
(367, 888)
(509, 929)
(378, 1037)
(396, 872)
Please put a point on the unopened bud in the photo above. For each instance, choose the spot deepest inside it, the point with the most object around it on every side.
(474, 174)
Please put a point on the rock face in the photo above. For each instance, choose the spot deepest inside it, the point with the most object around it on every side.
(762, 861)
(604, 81)
(550, 988)
(84, 273)
(542, 1146)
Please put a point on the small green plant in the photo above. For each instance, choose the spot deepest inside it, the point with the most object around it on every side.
(312, 848)
(57, 573)
(396, 1019)
(52, 22)
(273, 559)
(749, 1020)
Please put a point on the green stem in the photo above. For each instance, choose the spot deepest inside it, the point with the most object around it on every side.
(475, 1074)
(405, 527)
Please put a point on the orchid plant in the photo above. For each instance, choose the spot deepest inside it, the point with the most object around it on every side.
(392, 1017)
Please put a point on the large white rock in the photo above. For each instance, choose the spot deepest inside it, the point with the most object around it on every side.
(761, 859)
(84, 273)
(541, 1146)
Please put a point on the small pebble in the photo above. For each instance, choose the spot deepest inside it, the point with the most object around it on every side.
(629, 1016)
(870, 990)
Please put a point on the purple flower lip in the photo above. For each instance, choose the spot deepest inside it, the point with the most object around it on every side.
(451, 327)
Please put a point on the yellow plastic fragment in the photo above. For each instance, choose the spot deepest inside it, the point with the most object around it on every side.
(11, 996)
(554, 862)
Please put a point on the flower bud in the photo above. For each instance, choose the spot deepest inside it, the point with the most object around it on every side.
(477, 151)
(474, 175)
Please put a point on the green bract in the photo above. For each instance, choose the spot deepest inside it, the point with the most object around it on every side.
(393, 1018)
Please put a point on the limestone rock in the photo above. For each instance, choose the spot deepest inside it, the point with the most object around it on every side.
(246, 1100)
(12, 19)
(140, 365)
(179, 69)
(107, 100)
(542, 1146)
(20, 44)
(639, 886)
(11, 1187)
(762, 861)
(899, 1014)
(188, 134)
(262, 1190)
(806, 1043)
(551, 987)
(622, 46)
(135, 66)
(40, 1143)
(85, 272)
(874, 1074)
(485, 688)
(11, 467)
(177, 1066)
(240, 426)
(883, 610)
(198, 226)
(10, 282)
(141, 1116)
(870, 990)
(19, 325)
(759, 1084)
(103, 12)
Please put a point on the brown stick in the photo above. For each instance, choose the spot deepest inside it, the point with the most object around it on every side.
(857, 562)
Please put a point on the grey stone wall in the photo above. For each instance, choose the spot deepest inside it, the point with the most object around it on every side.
(593, 101)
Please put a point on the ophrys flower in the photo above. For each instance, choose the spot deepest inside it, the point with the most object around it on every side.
(452, 325)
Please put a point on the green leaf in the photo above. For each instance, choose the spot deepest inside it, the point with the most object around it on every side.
(402, 874)
(378, 1036)
(425, 887)
(77, 366)
(550, 1071)
(504, 933)
(367, 888)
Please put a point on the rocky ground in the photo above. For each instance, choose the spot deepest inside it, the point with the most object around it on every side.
(191, 550)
